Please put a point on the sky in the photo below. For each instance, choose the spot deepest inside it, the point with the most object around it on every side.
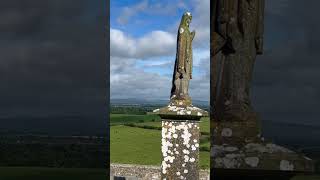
(53, 58)
(143, 36)
(285, 83)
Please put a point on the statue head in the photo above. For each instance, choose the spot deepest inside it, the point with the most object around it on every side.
(186, 20)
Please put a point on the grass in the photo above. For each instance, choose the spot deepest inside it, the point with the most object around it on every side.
(132, 145)
(42, 173)
(140, 143)
(204, 124)
(117, 119)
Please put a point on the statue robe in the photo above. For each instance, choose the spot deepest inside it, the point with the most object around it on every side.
(238, 38)
(183, 64)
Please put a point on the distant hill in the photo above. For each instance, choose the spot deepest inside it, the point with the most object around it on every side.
(133, 101)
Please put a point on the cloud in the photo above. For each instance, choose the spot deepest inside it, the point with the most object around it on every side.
(128, 12)
(155, 43)
(165, 8)
(133, 82)
(141, 67)
(201, 22)
(129, 81)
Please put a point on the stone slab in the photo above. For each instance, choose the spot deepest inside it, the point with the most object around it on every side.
(259, 156)
(179, 110)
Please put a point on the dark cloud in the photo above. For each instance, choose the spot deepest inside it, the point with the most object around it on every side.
(53, 57)
(286, 84)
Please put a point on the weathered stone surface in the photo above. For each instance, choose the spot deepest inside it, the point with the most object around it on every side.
(180, 140)
(259, 156)
(179, 110)
(180, 149)
(237, 37)
(237, 145)
(143, 172)
(182, 72)
(180, 119)
(236, 132)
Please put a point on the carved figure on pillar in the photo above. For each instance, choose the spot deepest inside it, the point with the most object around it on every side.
(183, 64)
(237, 39)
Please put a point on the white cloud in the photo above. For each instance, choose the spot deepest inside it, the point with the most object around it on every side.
(133, 59)
(128, 12)
(168, 8)
(200, 55)
(155, 43)
(133, 82)
(201, 23)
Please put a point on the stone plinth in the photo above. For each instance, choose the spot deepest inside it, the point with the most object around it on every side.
(237, 147)
(180, 149)
(236, 132)
(180, 140)
(259, 156)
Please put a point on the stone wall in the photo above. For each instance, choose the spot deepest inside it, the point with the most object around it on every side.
(141, 172)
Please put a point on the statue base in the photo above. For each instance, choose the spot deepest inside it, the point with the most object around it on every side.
(180, 109)
(180, 139)
(237, 147)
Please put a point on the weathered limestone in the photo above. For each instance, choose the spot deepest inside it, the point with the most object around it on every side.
(143, 172)
(182, 72)
(180, 149)
(180, 140)
(237, 149)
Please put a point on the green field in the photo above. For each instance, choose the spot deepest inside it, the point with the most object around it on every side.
(117, 119)
(136, 139)
(40, 173)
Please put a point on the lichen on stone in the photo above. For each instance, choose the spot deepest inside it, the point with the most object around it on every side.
(252, 161)
(226, 132)
(285, 165)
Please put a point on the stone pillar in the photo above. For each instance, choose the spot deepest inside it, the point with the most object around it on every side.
(180, 149)
(180, 140)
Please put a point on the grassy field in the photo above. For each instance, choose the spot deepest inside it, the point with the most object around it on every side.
(118, 119)
(142, 144)
(40, 173)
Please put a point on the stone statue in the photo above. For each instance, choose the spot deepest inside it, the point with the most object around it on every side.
(237, 39)
(183, 64)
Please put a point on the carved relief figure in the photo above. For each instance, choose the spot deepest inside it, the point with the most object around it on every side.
(236, 40)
